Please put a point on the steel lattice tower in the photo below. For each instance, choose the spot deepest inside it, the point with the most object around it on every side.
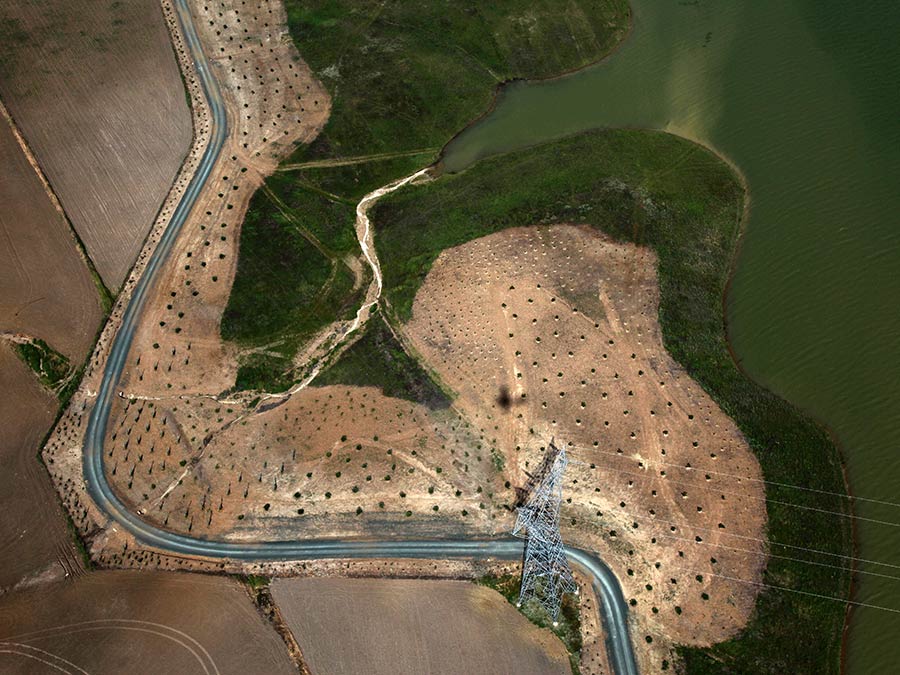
(546, 575)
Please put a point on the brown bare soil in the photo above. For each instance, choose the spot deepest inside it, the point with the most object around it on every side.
(542, 332)
(34, 543)
(329, 461)
(552, 332)
(139, 622)
(408, 626)
(46, 288)
(95, 88)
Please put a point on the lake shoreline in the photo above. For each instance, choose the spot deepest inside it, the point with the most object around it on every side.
(503, 85)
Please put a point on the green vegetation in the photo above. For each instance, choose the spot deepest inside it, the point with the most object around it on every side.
(410, 75)
(403, 77)
(569, 628)
(76, 536)
(255, 581)
(377, 359)
(678, 198)
(51, 367)
(288, 286)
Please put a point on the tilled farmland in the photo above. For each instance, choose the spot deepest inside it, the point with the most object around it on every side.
(95, 88)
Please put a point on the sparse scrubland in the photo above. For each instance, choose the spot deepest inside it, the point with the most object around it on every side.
(405, 77)
(623, 183)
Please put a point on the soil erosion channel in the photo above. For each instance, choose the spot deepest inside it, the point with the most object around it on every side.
(333, 339)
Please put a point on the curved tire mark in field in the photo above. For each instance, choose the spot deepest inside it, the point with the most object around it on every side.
(613, 607)
(198, 651)
(28, 652)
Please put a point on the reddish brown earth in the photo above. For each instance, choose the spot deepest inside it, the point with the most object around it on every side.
(274, 102)
(37, 548)
(96, 91)
(408, 626)
(558, 320)
(663, 485)
(329, 461)
(46, 290)
(139, 622)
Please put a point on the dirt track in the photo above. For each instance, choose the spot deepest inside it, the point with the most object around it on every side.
(407, 626)
(465, 332)
(95, 88)
(273, 103)
(302, 468)
(178, 348)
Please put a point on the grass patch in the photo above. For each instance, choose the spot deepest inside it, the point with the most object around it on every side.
(403, 76)
(76, 537)
(377, 359)
(624, 183)
(279, 286)
(255, 581)
(286, 289)
(51, 367)
(569, 628)
(437, 62)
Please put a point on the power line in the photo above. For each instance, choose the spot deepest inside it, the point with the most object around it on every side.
(763, 541)
(747, 478)
(762, 584)
(782, 557)
(763, 499)
(546, 575)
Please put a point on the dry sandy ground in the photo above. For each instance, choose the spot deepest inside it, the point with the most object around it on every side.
(558, 320)
(145, 622)
(406, 626)
(34, 542)
(95, 88)
(304, 467)
(664, 486)
(46, 288)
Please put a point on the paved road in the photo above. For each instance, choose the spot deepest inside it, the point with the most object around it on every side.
(613, 607)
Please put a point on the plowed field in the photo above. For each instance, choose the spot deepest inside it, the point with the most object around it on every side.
(95, 88)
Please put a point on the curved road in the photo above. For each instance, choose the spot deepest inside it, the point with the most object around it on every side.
(612, 603)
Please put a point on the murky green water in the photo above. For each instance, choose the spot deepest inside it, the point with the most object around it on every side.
(804, 96)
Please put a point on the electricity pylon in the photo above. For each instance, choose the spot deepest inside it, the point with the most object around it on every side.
(546, 575)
